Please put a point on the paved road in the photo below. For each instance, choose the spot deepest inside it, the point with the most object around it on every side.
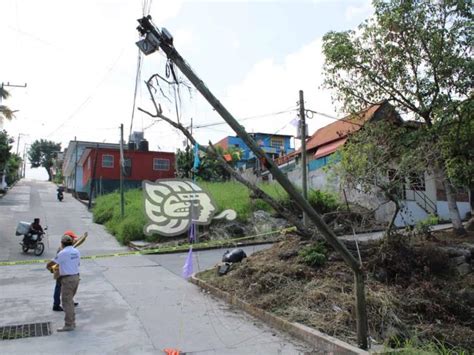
(128, 305)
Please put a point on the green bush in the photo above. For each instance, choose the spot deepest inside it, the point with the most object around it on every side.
(314, 255)
(323, 202)
(423, 227)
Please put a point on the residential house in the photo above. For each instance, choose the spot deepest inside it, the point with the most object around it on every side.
(275, 145)
(101, 167)
(72, 171)
(421, 196)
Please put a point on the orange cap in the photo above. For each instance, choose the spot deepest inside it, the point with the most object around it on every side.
(71, 234)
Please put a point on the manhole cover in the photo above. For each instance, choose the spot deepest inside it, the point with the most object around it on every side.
(10, 332)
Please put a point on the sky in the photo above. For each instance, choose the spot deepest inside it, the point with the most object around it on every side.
(79, 61)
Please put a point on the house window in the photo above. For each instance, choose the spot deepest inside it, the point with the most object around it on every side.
(276, 142)
(107, 161)
(161, 164)
(417, 181)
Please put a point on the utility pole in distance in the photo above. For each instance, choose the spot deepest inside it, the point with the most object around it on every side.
(303, 153)
(75, 167)
(122, 201)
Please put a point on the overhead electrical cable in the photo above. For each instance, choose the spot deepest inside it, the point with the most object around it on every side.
(89, 97)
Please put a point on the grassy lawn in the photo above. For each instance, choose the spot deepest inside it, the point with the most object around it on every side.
(226, 195)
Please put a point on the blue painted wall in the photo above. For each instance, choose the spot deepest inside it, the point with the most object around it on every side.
(265, 141)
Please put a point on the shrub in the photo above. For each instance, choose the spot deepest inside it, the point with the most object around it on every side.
(314, 255)
(323, 202)
(423, 227)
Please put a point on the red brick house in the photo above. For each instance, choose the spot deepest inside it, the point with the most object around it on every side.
(101, 167)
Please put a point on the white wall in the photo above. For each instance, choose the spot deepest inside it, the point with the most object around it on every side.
(443, 212)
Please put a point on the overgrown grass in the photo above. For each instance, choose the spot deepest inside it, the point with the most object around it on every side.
(233, 195)
(227, 195)
(107, 212)
(414, 346)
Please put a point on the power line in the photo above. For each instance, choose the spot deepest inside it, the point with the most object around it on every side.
(89, 97)
(331, 117)
(246, 118)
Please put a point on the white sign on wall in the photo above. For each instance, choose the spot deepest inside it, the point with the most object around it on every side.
(171, 206)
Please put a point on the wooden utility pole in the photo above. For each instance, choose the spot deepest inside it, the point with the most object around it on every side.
(154, 39)
(75, 168)
(122, 201)
(303, 154)
(93, 179)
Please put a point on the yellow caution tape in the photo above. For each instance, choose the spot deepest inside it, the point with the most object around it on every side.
(163, 250)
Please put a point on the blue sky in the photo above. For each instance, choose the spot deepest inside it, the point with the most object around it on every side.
(79, 60)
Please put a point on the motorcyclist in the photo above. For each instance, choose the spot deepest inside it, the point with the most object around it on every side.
(35, 229)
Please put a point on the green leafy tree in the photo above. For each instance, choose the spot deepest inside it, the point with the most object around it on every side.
(5, 147)
(5, 111)
(209, 168)
(42, 153)
(375, 161)
(13, 168)
(418, 55)
(184, 163)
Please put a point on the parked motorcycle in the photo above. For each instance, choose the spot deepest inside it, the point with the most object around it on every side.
(60, 194)
(30, 240)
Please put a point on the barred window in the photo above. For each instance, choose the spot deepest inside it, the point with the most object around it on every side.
(161, 164)
(107, 161)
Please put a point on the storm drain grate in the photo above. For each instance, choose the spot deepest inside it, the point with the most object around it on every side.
(10, 332)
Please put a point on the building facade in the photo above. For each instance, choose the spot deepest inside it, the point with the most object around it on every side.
(420, 198)
(275, 145)
(101, 168)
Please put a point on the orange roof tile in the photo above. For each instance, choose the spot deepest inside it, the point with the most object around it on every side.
(341, 128)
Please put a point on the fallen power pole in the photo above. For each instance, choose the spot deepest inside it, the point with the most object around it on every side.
(154, 39)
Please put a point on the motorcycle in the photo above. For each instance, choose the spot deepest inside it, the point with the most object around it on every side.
(31, 240)
(60, 195)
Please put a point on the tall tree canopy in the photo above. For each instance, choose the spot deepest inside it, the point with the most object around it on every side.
(418, 55)
(42, 152)
(5, 147)
(5, 111)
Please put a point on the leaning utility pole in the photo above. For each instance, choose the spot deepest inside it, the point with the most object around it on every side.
(304, 166)
(154, 39)
(122, 201)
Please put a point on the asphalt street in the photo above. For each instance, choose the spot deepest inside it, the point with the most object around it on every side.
(127, 305)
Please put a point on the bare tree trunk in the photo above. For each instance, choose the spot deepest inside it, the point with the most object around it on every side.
(452, 205)
(394, 216)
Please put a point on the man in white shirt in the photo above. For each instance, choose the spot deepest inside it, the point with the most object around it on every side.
(68, 260)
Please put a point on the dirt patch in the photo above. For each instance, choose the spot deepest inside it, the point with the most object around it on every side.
(412, 290)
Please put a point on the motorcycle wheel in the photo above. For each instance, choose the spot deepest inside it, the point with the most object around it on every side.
(24, 248)
(39, 248)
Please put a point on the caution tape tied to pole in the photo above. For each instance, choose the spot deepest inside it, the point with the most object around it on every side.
(163, 250)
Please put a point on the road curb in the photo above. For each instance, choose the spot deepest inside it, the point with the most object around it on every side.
(323, 342)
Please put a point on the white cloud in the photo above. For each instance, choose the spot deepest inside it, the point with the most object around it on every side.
(78, 59)
(272, 87)
(361, 10)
